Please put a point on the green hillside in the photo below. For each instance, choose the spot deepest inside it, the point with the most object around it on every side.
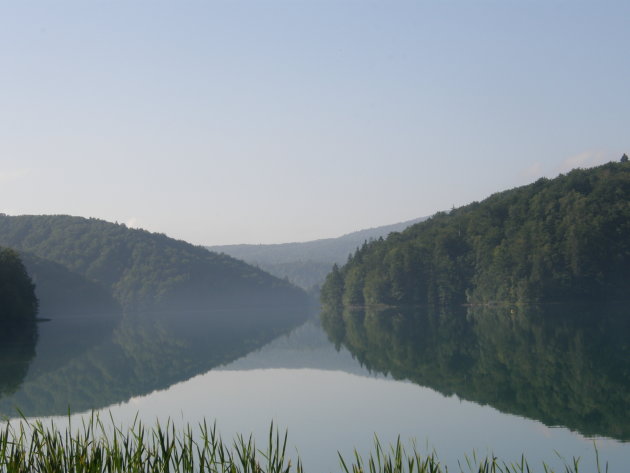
(144, 270)
(61, 292)
(562, 239)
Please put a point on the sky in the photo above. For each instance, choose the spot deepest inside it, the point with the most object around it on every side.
(268, 121)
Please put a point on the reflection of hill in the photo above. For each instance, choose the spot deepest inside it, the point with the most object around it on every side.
(307, 346)
(79, 313)
(562, 366)
(16, 353)
(213, 309)
(142, 354)
(82, 314)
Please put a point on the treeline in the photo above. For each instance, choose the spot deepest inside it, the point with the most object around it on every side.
(562, 239)
(143, 270)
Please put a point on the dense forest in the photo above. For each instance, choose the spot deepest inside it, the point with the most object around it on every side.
(306, 264)
(562, 239)
(143, 270)
(560, 364)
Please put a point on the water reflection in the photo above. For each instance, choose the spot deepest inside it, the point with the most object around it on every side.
(85, 363)
(17, 350)
(561, 365)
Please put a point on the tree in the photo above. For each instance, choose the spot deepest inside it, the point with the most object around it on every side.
(332, 290)
(624, 158)
(18, 304)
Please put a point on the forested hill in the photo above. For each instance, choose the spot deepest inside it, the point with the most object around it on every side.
(560, 239)
(61, 292)
(307, 263)
(144, 270)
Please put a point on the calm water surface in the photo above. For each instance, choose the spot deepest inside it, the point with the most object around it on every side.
(507, 382)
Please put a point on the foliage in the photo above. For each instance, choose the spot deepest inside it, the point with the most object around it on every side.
(144, 270)
(16, 354)
(561, 365)
(561, 239)
(398, 459)
(97, 447)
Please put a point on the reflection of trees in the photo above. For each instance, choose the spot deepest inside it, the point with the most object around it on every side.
(145, 353)
(560, 365)
(17, 349)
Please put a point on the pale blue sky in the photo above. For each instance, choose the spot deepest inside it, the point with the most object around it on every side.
(270, 121)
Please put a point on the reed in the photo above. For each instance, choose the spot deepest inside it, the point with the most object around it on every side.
(102, 447)
(398, 459)
(96, 447)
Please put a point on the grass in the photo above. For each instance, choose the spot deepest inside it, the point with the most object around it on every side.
(98, 447)
(396, 459)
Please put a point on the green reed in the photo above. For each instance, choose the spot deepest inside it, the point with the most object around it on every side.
(398, 459)
(98, 447)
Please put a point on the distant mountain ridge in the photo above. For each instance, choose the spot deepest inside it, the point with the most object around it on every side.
(307, 263)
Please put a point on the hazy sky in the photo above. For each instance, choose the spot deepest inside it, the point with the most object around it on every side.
(271, 121)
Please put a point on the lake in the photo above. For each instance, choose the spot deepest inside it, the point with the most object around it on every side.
(542, 382)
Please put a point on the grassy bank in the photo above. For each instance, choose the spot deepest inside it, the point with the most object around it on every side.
(98, 446)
